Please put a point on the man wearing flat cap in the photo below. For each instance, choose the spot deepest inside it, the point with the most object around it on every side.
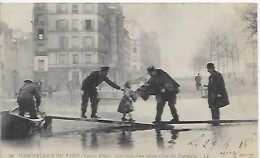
(217, 94)
(90, 91)
(25, 99)
(165, 88)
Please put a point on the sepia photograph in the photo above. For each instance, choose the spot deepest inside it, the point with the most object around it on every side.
(128, 79)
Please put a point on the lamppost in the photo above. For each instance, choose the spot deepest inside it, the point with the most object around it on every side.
(14, 73)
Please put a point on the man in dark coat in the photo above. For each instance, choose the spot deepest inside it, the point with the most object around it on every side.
(26, 99)
(217, 94)
(165, 89)
(90, 91)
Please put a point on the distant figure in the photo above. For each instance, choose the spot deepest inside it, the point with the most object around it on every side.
(126, 103)
(26, 99)
(217, 94)
(165, 89)
(198, 81)
(50, 90)
(89, 85)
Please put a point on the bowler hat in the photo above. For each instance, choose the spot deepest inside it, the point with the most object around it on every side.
(150, 69)
(210, 66)
(28, 81)
(104, 68)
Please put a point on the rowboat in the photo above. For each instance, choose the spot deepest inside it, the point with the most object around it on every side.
(14, 126)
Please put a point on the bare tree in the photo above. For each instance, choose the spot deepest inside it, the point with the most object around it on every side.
(249, 17)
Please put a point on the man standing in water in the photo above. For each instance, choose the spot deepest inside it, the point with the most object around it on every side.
(217, 94)
(90, 91)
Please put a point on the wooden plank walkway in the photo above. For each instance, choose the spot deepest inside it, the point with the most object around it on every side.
(149, 124)
(116, 122)
(209, 121)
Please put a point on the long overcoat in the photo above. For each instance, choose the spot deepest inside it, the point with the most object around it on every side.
(216, 86)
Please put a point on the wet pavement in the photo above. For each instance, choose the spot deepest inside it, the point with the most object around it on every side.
(73, 139)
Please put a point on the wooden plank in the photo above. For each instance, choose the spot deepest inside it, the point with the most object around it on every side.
(100, 120)
(209, 121)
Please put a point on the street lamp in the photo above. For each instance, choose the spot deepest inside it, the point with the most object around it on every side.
(14, 73)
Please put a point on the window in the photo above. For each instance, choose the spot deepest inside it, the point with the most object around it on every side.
(88, 25)
(64, 42)
(75, 25)
(40, 47)
(75, 41)
(40, 34)
(62, 58)
(75, 58)
(40, 19)
(88, 58)
(41, 65)
(62, 8)
(88, 42)
(88, 8)
(61, 25)
(75, 9)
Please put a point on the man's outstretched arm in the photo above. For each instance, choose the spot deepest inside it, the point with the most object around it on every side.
(111, 83)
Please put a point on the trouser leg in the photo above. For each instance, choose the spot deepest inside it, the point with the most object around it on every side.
(159, 110)
(94, 103)
(22, 105)
(215, 112)
(84, 103)
(31, 109)
(171, 103)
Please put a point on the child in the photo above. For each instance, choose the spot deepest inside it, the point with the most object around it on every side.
(126, 103)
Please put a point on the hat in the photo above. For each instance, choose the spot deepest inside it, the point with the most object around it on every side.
(150, 69)
(104, 68)
(210, 66)
(28, 80)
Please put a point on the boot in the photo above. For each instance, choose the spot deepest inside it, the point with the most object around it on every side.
(94, 116)
(83, 115)
(175, 119)
(215, 122)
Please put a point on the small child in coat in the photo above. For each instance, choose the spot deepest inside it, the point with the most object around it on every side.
(126, 103)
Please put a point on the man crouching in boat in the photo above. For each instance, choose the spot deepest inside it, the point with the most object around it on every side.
(26, 101)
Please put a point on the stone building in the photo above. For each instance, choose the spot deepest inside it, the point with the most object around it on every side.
(72, 40)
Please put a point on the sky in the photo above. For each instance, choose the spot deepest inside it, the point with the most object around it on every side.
(181, 28)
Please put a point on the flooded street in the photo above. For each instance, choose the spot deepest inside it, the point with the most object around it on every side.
(75, 139)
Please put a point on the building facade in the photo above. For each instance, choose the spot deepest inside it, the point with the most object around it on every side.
(16, 60)
(72, 40)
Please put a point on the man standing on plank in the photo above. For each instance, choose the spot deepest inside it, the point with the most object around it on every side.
(217, 94)
(90, 91)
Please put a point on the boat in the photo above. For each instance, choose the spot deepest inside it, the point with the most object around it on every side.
(14, 126)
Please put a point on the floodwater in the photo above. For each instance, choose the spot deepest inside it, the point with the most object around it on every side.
(74, 139)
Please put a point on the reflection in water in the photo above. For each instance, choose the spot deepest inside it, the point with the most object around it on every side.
(84, 140)
(125, 139)
(174, 136)
(94, 140)
(160, 139)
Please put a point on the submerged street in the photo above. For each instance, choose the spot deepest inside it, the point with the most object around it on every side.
(85, 139)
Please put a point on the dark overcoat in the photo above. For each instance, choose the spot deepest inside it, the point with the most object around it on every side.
(156, 83)
(216, 86)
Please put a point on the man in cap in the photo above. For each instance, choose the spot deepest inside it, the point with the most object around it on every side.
(26, 99)
(217, 94)
(90, 91)
(165, 89)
